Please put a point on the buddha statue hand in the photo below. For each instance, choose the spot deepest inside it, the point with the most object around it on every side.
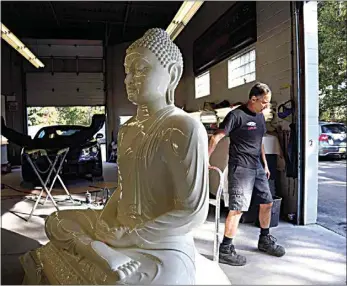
(117, 265)
(120, 237)
(116, 236)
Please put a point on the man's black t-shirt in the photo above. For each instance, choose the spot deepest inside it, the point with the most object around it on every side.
(246, 130)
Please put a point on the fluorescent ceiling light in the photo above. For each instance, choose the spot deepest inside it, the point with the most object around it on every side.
(10, 38)
(183, 16)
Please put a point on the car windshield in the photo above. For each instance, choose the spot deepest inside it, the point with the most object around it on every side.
(57, 132)
(334, 128)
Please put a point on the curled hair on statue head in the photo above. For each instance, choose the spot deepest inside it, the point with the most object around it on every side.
(159, 43)
(166, 51)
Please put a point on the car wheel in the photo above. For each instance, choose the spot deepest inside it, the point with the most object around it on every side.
(28, 174)
(28, 185)
(97, 172)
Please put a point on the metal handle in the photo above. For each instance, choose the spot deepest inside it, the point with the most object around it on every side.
(217, 213)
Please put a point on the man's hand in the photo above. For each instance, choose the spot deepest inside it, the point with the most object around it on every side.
(267, 172)
(263, 156)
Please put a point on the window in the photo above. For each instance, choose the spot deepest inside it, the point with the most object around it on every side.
(334, 128)
(67, 132)
(241, 69)
(42, 134)
(202, 85)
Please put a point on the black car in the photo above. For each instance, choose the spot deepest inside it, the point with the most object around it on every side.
(81, 162)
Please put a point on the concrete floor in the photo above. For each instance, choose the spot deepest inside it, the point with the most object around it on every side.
(314, 256)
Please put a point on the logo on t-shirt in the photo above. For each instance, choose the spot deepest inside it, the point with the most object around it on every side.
(251, 125)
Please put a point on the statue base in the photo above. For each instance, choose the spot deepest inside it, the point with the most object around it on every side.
(51, 266)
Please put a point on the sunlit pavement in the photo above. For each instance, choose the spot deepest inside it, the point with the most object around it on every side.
(332, 195)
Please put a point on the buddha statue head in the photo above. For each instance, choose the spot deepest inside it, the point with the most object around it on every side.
(153, 66)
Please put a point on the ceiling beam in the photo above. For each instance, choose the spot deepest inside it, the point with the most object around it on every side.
(108, 29)
(127, 10)
(138, 4)
(54, 14)
(91, 21)
(14, 9)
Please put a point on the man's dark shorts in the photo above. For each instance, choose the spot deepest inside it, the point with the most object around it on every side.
(243, 182)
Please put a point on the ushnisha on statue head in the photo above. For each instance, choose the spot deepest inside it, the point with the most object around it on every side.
(153, 66)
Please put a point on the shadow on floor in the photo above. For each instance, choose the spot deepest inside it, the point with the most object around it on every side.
(12, 272)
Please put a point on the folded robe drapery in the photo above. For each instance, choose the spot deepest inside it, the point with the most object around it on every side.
(72, 141)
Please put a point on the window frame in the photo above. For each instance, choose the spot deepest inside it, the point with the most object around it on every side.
(209, 84)
(239, 55)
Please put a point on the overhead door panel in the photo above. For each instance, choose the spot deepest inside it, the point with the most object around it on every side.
(65, 89)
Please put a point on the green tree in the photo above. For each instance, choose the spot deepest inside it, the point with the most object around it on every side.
(71, 115)
(332, 39)
(78, 115)
(42, 116)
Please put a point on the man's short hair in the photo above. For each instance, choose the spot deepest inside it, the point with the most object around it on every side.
(259, 89)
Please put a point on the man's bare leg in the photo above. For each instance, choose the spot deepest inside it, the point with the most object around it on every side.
(232, 223)
(265, 215)
(227, 253)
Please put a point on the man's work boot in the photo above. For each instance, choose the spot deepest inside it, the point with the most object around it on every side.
(227, 255)
(267, 243)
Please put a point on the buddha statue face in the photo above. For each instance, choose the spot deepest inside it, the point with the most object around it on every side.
(153, 67)
(146, 79)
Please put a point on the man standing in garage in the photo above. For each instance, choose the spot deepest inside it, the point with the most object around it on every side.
(246, 127)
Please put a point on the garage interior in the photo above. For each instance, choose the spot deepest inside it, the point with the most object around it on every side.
(82, 46)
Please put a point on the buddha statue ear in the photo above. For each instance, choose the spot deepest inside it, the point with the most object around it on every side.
(175, 71)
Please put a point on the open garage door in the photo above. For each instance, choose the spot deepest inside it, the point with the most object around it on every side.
(65, 89)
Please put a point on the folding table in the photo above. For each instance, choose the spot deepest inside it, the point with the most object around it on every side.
(53, 174)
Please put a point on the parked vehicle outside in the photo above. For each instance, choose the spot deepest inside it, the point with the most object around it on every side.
(84, 161)
(332, 139)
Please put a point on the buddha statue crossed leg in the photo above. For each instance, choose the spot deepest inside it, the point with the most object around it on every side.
(142, 236)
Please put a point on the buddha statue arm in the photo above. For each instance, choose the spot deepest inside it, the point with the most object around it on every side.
(186, 155)
(109, 213)
(184, 149)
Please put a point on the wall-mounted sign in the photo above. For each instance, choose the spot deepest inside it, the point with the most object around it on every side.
(12, 106)
(233, 31)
